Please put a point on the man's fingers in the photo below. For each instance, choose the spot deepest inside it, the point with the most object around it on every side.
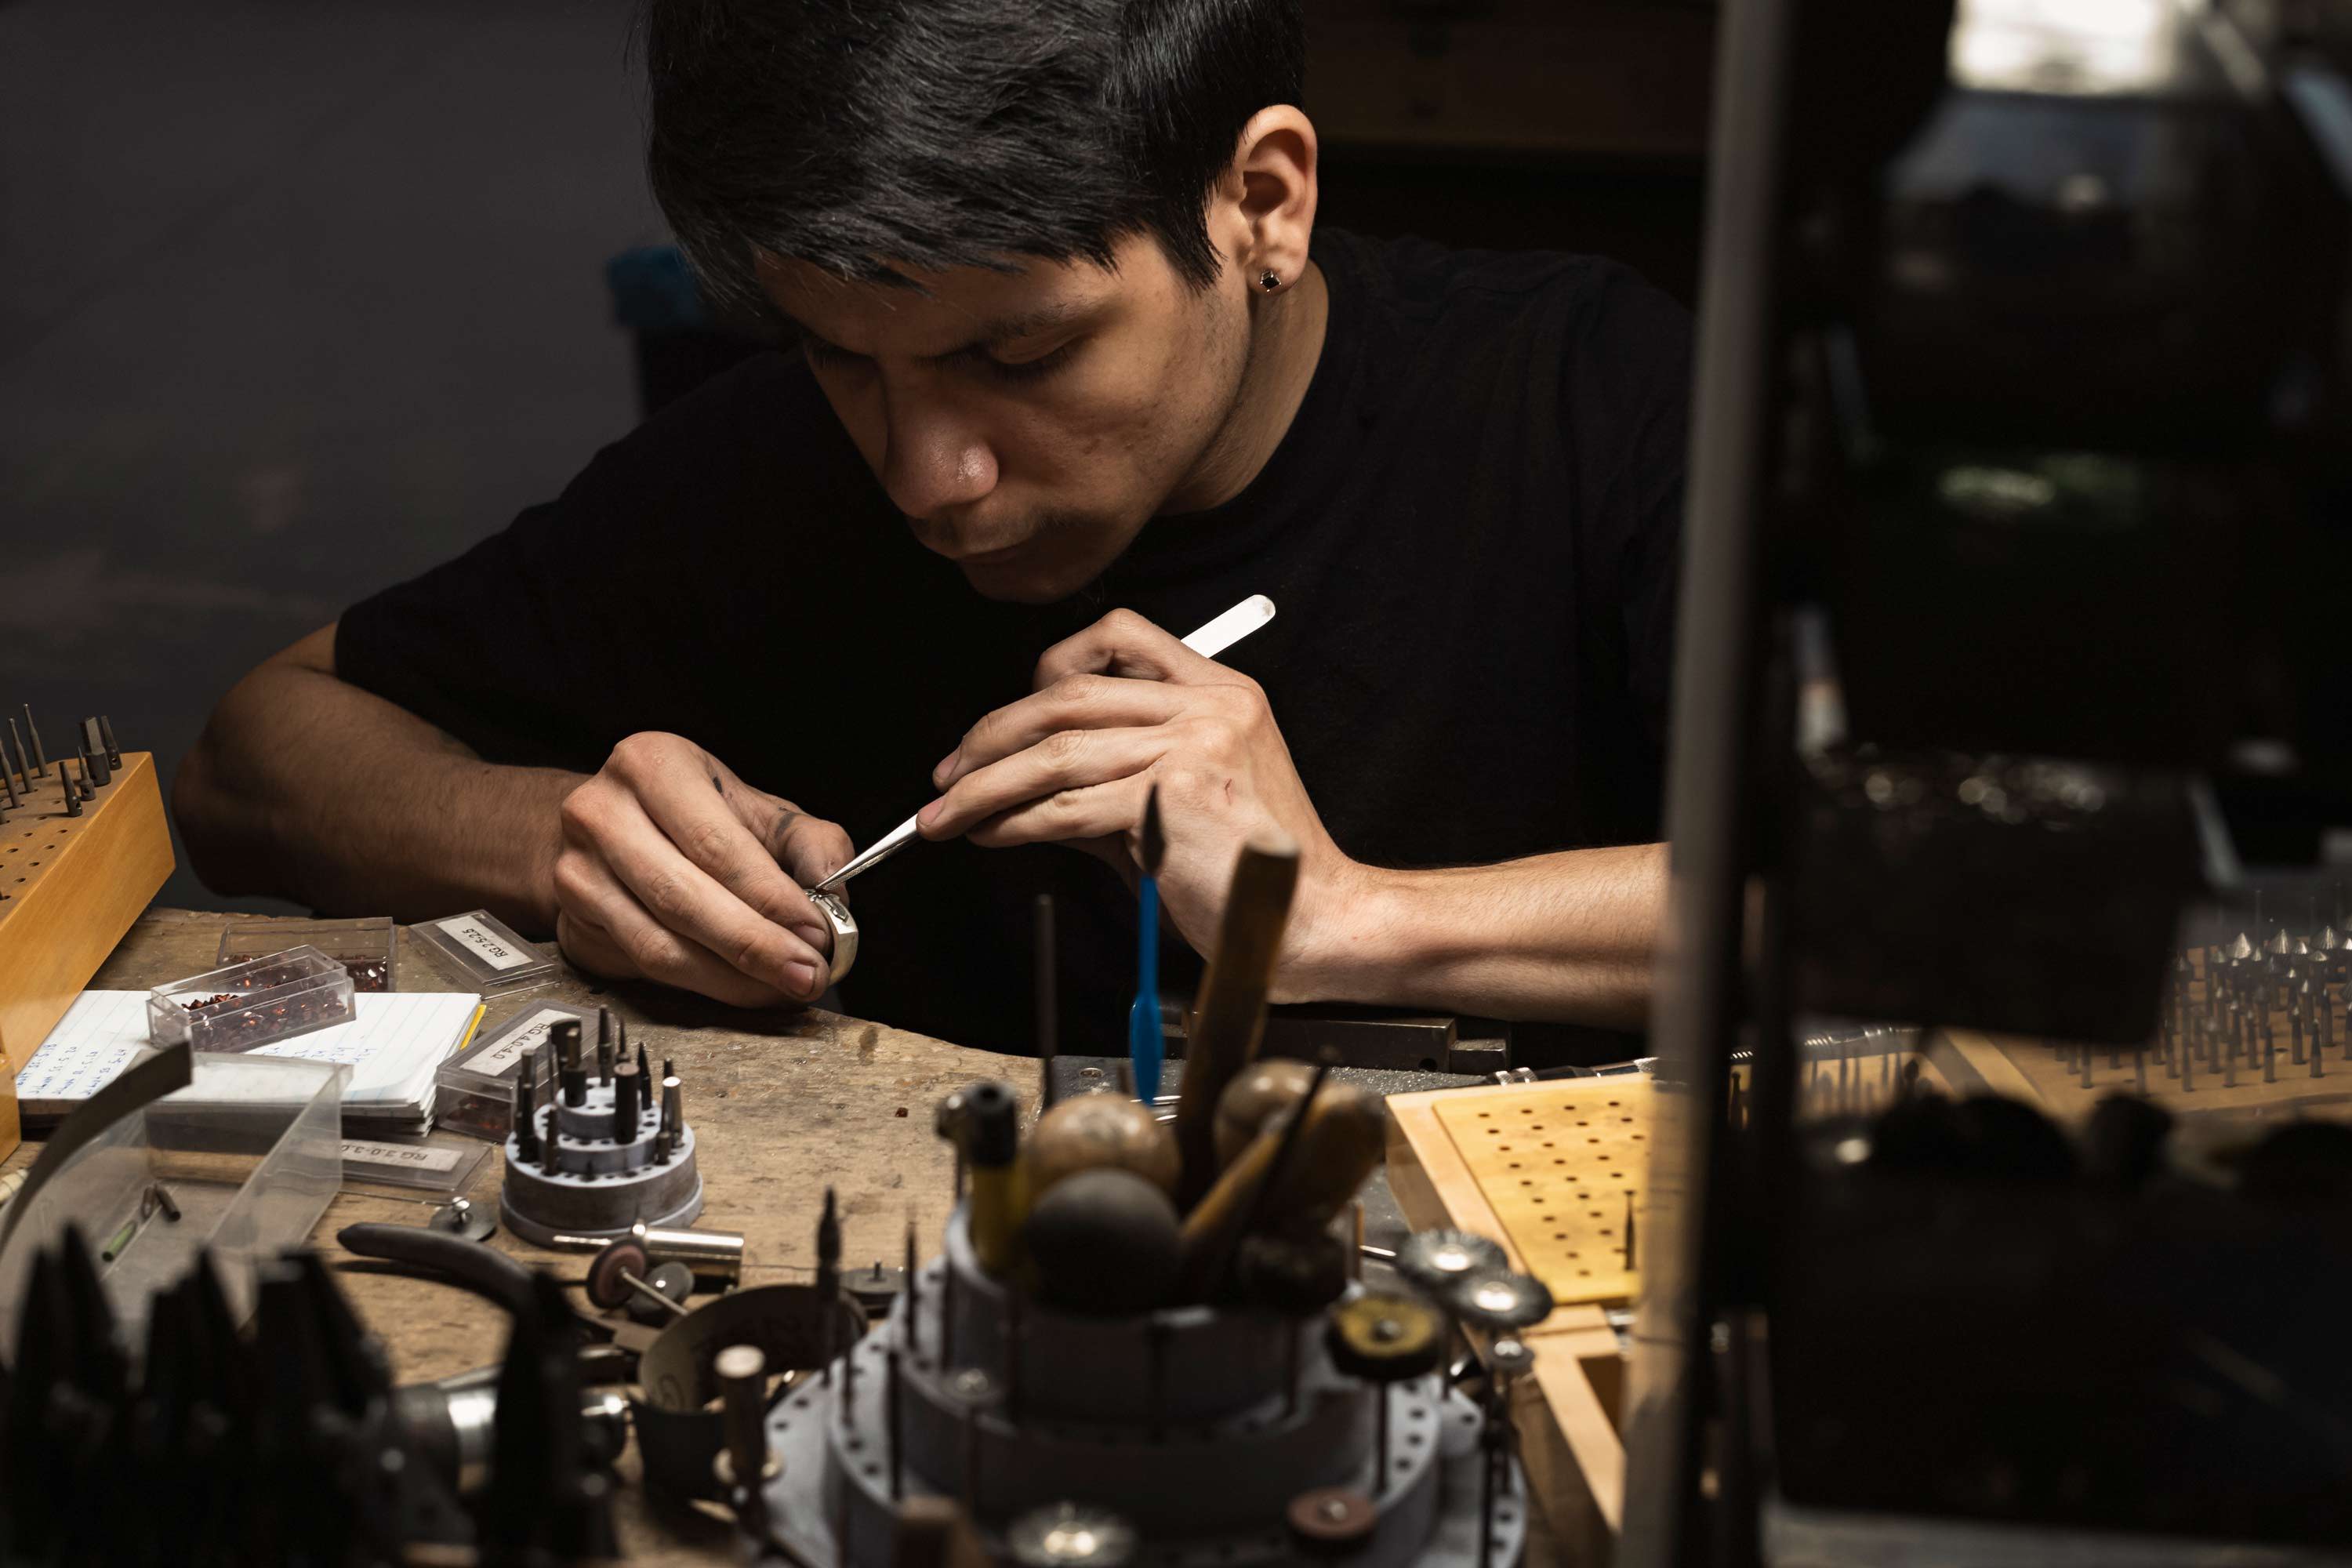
(1077, 702)
(709, 816)
(1066, 761)
(606, 931)
(1100, 812)
(809, 849)
(1123, 643)
(685, 899)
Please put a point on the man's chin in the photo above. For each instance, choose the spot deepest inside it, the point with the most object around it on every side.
(1019, 582)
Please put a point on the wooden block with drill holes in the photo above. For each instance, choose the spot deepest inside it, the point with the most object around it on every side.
(1545, 1169)
(1554, 1164)
(75, 884)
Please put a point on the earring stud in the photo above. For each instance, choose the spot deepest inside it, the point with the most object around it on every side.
(1269, 280)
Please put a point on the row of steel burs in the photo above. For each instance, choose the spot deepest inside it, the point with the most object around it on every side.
(24, 775)
(1062, 1386)
(597, 1146)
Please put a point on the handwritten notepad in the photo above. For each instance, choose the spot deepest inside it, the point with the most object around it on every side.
(393, 1047)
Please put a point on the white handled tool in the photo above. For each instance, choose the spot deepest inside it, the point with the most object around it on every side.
(1208, 642)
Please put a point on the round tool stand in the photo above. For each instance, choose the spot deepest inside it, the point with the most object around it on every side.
(1181, 1421)
(605, 1179)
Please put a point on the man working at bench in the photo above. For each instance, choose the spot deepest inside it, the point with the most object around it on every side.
(1068, 369)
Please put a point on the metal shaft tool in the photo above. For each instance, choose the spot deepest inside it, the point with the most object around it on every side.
(743, 1374)
(573, 1076)
(1209, 641)
(914, 1293)
(20, 763)
(526, 1110)
(628, 1104)
(40, 757)
(1048, 998)
(93, 750)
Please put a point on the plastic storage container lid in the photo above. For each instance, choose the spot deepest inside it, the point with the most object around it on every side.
(477, 1087)
(253, 1003)
(488, 954)
(364, 946)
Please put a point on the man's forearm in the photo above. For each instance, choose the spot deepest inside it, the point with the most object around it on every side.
(1570, 936)
(308, 788)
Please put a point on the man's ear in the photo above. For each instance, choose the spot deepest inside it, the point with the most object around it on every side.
(1263, 210)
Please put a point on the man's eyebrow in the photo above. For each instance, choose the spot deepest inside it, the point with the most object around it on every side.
(797, 334)
(1029, 323)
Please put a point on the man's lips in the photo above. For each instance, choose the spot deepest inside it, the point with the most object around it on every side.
(987, 557)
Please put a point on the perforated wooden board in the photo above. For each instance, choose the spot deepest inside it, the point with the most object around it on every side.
(75, 884)
(1558, 1163)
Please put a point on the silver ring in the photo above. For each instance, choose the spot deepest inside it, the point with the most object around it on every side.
(845, 932)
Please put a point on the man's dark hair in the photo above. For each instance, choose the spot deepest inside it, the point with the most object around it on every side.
(863, 136)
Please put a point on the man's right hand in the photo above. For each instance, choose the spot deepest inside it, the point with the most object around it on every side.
(674, 870)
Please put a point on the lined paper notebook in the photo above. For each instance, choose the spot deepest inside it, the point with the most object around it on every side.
(393, 1047)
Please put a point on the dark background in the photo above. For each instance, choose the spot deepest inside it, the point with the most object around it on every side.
(296, 300)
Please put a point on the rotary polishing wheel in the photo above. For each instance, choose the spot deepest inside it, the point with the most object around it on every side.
(1331, 1521)
(608, 1286)
(1386, 1339)
(1435, 1260)
(1498, 1300)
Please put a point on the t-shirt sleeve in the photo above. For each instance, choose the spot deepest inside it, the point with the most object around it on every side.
(551, 640)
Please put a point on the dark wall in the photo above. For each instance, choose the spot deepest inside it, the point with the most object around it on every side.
(295, 300)
(1547, 124)
(1645, 218)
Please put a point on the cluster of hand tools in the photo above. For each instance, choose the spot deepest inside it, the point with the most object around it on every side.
(1106, 1209)
(1149, 1336)
(596, 1148)
(289, 1444)
(25, 774)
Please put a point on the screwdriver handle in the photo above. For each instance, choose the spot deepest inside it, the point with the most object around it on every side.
(1229, 1012)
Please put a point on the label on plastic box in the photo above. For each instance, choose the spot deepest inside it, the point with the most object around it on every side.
(406, 1156)
(486, 946)
(524, 1038)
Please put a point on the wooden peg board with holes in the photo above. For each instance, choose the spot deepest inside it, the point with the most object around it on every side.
(74, 886)
(1560, 1164)
(1547, 1169)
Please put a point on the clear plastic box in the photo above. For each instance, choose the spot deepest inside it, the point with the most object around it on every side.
(249, 1155)
(483, 950)
(433, 1162)
(477, 1087)
(363, 946)
(256, 1002)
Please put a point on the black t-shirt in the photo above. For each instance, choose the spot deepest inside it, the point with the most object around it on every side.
(1470, 532)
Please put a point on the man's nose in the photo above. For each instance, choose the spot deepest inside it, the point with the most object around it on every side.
(935, 463)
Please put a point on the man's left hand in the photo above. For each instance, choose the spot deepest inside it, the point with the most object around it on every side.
(1118, 710)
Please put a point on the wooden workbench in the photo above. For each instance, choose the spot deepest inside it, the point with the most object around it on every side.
(785, 1104)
